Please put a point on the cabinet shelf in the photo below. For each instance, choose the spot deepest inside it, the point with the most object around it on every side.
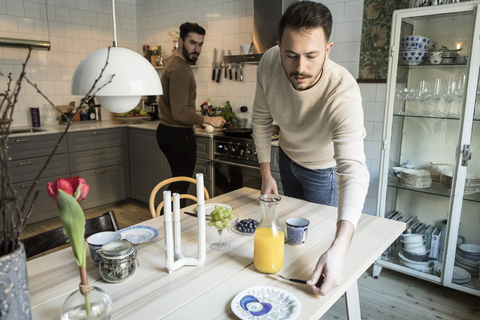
(435, 189)
(423, 65)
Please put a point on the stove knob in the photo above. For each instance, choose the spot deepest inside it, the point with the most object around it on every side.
(232, 149)
(242, 152)
(249, 152)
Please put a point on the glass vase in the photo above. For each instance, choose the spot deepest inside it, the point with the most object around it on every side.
(269, 240)
(101, 306)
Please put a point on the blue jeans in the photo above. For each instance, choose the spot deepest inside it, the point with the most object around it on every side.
(318, 186)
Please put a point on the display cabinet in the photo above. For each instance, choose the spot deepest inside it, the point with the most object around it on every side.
(430, 157)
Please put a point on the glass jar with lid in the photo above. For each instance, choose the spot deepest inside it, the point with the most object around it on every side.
(118, 260)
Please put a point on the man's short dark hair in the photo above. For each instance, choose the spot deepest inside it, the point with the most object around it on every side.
(306, 15)
(188, 27)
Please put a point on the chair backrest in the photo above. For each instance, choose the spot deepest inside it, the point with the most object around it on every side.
(151, 203)
(54, 238)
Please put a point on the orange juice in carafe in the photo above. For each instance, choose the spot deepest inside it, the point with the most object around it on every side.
(268, 250)
(269, 241)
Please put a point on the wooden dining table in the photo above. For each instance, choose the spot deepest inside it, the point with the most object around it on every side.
(206, 292)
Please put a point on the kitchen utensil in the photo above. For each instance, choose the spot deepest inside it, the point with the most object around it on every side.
(214, 63)
(241, 72)
(238, 132)
(220, 66)
(236, 72)
(230, 67)
(195, 215)
(318, 284)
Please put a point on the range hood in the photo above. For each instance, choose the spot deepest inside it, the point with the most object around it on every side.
(24, 44)
(266, 15)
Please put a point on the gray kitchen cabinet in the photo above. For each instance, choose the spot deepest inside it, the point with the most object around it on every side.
(27, 155)
(148, 164)
(98, 157)
(45, 207)
(106, 184)
(275, 169)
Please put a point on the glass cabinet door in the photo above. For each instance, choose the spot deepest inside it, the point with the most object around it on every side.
(426, 92)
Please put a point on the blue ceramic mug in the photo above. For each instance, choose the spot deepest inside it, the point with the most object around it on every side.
(297, 229)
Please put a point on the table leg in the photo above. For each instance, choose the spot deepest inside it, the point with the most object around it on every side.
(353, 303)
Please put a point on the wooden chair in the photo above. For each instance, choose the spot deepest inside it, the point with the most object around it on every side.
(151, 202)
(54, 238)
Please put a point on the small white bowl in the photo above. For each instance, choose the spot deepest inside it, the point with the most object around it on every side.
(417, 250)
(412, 238)
(413, 246)
(97, 240)
(397, 170)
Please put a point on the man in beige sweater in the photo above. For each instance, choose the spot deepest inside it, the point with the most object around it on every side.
(317, 105)
(175, 134)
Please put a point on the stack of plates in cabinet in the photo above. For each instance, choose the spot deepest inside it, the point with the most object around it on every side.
(472, 182)
(448, 56)
(467, 257)
(460, 275)
(415, 178)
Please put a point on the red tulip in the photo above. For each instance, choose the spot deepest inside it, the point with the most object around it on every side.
(74, 186)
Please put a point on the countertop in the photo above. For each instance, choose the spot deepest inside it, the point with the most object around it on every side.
(109, 124)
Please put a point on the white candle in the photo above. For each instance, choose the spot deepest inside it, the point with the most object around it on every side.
(167, 206)
(200, 192)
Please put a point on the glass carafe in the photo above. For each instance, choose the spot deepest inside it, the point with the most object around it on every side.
(269, 239)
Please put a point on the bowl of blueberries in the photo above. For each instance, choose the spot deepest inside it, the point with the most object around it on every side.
(245, 227)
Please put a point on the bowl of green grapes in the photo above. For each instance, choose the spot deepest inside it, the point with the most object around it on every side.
(221, 217)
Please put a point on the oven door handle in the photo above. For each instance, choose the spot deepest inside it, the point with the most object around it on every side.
(235, 164)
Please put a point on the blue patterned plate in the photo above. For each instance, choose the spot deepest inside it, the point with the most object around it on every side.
(139, 234)
(265, 303)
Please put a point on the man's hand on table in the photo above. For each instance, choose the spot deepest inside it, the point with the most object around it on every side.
(269, 185)
(332, 262)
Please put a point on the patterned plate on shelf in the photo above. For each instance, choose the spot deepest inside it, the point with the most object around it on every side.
(266, 303)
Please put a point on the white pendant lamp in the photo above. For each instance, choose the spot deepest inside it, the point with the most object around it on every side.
(134, 76)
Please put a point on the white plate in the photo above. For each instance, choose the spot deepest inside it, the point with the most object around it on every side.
(264, 302)
(460, 274)
(209, 207)
(138, 234)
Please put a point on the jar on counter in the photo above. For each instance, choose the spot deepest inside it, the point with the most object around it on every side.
(118, 261)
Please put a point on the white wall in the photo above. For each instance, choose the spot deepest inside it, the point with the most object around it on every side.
(75, 28)
(78, 27)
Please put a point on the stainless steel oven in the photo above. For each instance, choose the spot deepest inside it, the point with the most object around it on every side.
(235, 164)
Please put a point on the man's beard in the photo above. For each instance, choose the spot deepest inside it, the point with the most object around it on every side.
(187, 55)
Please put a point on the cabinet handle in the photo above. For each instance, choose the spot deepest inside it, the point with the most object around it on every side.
(97, 132)
(100, 171)
(24, 163)
(21, 140)
(26, 185)
(99, 152)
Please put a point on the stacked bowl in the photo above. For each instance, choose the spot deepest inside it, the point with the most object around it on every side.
(467, 257)
(413, 49)
(459, 276)
(415, 254)
(448, 56)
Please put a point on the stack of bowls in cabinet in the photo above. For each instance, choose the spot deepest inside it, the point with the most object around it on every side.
(415, 254)
(467, 257)
(459, 276)
(413, 49)
(472, 182)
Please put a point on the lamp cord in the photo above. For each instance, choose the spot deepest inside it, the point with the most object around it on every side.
(114, 25)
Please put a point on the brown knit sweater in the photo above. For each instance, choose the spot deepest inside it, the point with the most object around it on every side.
(177, 104)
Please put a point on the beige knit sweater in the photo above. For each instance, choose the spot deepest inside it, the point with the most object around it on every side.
(319, 128)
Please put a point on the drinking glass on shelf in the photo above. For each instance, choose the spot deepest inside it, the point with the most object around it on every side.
(435, 94)
(460, 90)
(422, 96)
(400, 96)
(448, 94)
(410, 98)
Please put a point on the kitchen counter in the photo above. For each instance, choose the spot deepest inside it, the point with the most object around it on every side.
(92, 125)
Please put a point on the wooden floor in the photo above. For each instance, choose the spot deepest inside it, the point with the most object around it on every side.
(392, 296)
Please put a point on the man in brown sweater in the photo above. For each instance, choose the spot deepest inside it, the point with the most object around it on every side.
(175, 134)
